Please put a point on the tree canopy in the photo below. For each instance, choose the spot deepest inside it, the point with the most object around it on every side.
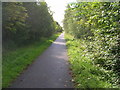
(26, 22)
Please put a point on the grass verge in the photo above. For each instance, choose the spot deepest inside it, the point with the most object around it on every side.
(85, 73)
(15, 62)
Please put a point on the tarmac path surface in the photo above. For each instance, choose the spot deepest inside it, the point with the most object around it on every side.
(49, 70)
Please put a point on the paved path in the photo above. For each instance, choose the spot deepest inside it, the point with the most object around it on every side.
(50, 70)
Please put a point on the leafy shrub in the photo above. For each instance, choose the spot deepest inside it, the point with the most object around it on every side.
(97, 25)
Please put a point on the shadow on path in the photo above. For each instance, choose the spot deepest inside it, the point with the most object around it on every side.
(50, 70)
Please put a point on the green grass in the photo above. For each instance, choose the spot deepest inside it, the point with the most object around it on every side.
(14, 62)
(85, 73)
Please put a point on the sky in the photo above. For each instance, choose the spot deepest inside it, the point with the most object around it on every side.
(58, 7)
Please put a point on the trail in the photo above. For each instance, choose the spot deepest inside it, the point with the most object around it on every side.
(49, 70)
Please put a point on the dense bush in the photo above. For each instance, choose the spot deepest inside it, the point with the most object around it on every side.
(85, 74)
(98, 24)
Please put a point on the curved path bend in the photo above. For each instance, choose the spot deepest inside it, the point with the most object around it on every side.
(49, 70)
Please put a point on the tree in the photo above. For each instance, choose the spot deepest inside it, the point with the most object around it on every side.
(14, 16)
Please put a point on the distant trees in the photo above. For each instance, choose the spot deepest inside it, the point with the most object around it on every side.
(25, 22)
(98, 23)
(58, 27)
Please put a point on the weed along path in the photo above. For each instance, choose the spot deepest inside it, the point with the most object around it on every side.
(49, 70)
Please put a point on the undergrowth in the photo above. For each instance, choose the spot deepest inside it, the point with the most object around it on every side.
(86, 74)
